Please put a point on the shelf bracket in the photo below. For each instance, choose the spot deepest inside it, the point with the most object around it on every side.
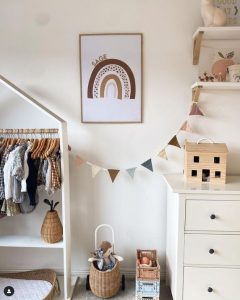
(196, 93)
(196, 47)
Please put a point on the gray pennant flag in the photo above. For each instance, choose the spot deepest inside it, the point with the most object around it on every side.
(131, 172)
(148, 164)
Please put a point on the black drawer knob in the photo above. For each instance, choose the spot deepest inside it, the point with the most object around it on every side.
(213, 216)
(211, 251)
(210, 290)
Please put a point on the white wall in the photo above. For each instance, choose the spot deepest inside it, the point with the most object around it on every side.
(39, 52)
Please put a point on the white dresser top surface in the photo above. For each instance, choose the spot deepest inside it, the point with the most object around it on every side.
(178, 184)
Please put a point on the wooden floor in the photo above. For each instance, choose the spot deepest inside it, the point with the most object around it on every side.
(128, 294)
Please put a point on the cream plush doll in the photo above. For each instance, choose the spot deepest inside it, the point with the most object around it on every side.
(212, 15)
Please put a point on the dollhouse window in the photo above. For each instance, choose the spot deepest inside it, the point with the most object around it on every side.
(205, 175)
(194, 173)
(196, 159)
(217, 174)
(217, 160)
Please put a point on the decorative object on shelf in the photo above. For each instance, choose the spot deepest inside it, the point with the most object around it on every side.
(205, 162)
(37, 284)
(147, 275)
(111, 78)
(232, 9)
(234, 73)
(206, 78)
(52, 230)
(220, 67)
(104, 279)
(212, 15)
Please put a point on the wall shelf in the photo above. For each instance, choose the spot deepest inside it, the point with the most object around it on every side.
(15, 241)
(212, 33)
(198, 86)
(217, 85)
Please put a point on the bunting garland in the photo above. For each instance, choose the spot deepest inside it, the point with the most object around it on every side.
(113, 173)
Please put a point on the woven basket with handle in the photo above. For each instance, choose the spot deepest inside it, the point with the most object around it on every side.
(105, 284)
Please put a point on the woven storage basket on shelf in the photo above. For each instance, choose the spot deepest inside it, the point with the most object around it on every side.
(52, 230)
(42, 274)
(105, 284)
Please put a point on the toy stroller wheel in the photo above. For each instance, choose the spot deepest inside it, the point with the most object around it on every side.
(87, 284)
(123, 282)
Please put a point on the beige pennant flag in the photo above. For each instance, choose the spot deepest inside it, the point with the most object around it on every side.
(163, 154)
(186, 127)
(79, 161)
(95, 170)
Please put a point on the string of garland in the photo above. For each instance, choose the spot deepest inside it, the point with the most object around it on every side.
(113, 173)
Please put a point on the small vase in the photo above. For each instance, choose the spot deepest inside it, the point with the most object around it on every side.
(220, 67)
(52, 230)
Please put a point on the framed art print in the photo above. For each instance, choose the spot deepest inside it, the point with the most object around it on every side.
(111, 78)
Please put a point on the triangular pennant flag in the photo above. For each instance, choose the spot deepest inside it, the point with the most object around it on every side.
(95, 170)
(131, 172)
(195, 110)
(186, 127)
(113, 173)
(163, 154)
(148, 164)
(79, 161)
(174, 142)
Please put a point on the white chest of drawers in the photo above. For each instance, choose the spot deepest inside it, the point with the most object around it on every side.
(203, 239)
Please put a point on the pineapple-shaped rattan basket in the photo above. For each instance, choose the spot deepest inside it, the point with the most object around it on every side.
(52, 230)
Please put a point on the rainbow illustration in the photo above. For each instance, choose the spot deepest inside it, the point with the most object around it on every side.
(112, 72)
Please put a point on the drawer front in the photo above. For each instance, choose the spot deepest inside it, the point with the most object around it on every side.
(212, 215)
(203, 249)
(211, 284)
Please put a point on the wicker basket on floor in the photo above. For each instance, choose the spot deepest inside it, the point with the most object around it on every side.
(41, 274)
(105, 284)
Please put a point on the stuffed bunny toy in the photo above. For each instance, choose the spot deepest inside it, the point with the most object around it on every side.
(212, 15)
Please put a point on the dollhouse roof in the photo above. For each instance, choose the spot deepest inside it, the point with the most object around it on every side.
(206, 147)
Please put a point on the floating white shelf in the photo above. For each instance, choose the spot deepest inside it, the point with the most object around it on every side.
(219, 33)
(27, 242)
(217, 85)
(212, 33)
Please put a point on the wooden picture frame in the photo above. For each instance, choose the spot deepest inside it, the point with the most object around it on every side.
(111, 77)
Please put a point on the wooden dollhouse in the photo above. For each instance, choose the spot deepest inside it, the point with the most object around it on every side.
(205, 162)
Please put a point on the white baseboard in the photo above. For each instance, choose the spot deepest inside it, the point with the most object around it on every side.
(82, 273)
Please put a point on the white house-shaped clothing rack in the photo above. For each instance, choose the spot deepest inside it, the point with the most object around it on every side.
(36, 242)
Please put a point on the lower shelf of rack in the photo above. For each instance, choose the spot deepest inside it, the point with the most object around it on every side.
(20, 241)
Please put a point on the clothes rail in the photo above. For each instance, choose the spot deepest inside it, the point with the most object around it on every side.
(28, 131)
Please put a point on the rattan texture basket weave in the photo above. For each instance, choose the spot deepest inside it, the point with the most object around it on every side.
(52, 230)
(41, 274)
(105, 284)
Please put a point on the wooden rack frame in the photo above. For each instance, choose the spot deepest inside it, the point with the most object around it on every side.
(66, 244)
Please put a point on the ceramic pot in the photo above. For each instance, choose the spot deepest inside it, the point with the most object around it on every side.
(220, 68)
(52, 230)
